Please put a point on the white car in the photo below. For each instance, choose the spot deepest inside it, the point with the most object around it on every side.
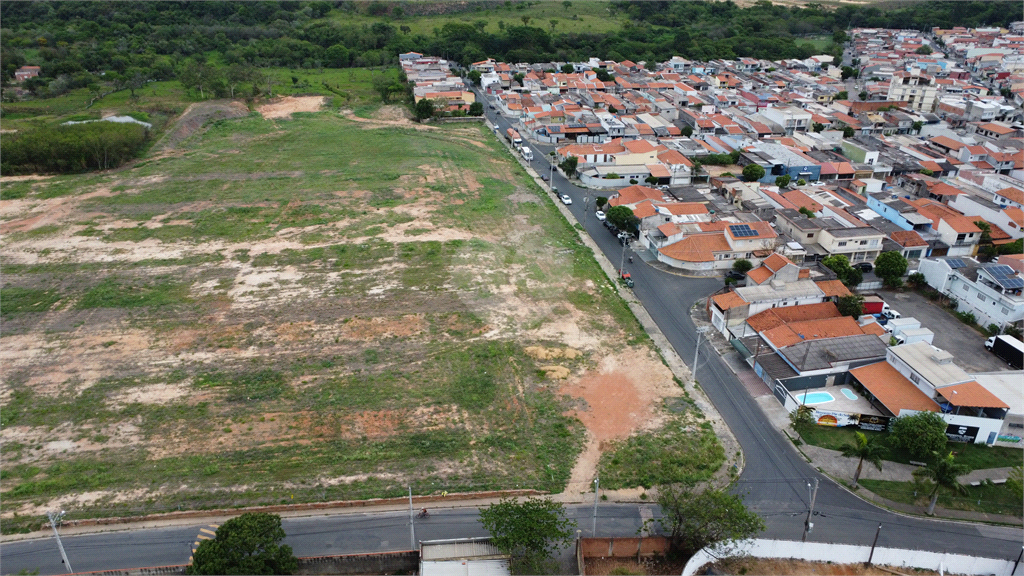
(600, 216)
(565, 199)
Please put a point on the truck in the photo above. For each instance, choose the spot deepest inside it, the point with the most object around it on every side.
(513, 138)
(1008, 348)
(527, 154)
(897, 325)
(874, 304)
(915, 335)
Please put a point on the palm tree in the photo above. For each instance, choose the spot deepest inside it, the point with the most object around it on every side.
(943, 472)
(862, 448)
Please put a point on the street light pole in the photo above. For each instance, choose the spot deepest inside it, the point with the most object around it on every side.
(597, 489)
(810, 511)
(54, 518)
(696, 351)
(412, 523)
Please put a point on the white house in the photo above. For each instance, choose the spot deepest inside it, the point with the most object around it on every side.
(992, 292)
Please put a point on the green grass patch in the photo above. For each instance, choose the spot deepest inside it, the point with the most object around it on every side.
(988, 498)
(977, 456)
(125, 293)
(15, 190)
(246, 386)
(677, 452)
(17, 300)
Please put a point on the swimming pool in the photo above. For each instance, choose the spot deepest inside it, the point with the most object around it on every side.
(849, 394)
(814, 398)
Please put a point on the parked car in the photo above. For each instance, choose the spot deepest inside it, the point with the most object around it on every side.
(891, 314)
(736, 275)
(600, 216)
(565, 199)
(864, 266)
(544, 177)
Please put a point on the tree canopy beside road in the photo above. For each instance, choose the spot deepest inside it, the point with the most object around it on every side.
(530, 531)
(247, 544)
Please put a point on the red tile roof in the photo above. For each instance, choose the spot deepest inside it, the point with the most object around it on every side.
(729, 300)
(970, 394)
(697, 247)
(907, 238)
(833, 288)
(892, 389)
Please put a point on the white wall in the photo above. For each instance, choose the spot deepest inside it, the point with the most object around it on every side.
(850, 554)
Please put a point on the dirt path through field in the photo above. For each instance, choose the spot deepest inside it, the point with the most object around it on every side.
(283, 107)
(623, 397)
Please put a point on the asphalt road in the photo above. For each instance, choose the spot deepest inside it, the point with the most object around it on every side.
(774, 481)
(312, 536)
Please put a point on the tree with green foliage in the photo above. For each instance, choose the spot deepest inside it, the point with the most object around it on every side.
(711, 518)
(752, 172)
(890, 267)
(847, 72)
(530, 531)
(783, 181)
(247, 544)
(924, 50)
(852, 305)
(817, 127)
(518, 77)
(474, 77)
(840, 264)
(568, 166)
(921, 434)
(917, 279)
(849, 132)
(842, 95)
(942, 473)
(863, 449)
(567, 69)
(686, 131)
(622, 217)
(802, 417)
(652, 180)
(863, 95)
(742, 266)
(72, 148)
(386, 86)
(603, 75)
(806, 211)
(917, 126)
(600, 201)
(476, 109)
(424, 109)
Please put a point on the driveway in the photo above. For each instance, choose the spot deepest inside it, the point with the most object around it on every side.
(965, 344)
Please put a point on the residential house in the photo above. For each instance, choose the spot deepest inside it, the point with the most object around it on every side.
(991, 292)
(918, 377)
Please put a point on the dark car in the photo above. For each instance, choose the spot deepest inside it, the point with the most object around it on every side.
(864, 266)
(737, 276)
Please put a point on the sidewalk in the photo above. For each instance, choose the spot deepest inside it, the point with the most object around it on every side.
(840, 469)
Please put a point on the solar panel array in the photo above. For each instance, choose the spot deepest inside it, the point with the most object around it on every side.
(955, 263)
(1005, 276)
(742, 231)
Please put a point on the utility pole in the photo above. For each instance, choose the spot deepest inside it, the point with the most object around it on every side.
(622, 260)
(412, 523)
(696, 352)
(872, 555)
(597, 489)
(586, 206)
(54, 518)
(810, 511)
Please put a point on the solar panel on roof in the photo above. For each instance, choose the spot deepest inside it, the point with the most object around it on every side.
(742, 231)
(955, 263)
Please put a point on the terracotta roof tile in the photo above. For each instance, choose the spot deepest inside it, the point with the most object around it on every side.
(892, 389)
(1012, 194)
(833, 288)
(970, 394)
(907, 238)
(697, 248)
(760, 275)
(796, 332)
(729, 300)
(774, 317)
(776, 262)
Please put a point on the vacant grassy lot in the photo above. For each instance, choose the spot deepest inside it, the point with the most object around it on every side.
(321, 307)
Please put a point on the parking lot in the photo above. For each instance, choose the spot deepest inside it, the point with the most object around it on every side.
(965, 344)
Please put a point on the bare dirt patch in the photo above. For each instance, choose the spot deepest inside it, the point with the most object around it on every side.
(387, 117)
(623, 396)
(284, 107)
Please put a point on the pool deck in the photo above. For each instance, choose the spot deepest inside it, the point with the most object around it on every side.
(841, 402)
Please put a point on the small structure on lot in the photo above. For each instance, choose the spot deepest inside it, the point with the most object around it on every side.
(26, 72)
(461, 557)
